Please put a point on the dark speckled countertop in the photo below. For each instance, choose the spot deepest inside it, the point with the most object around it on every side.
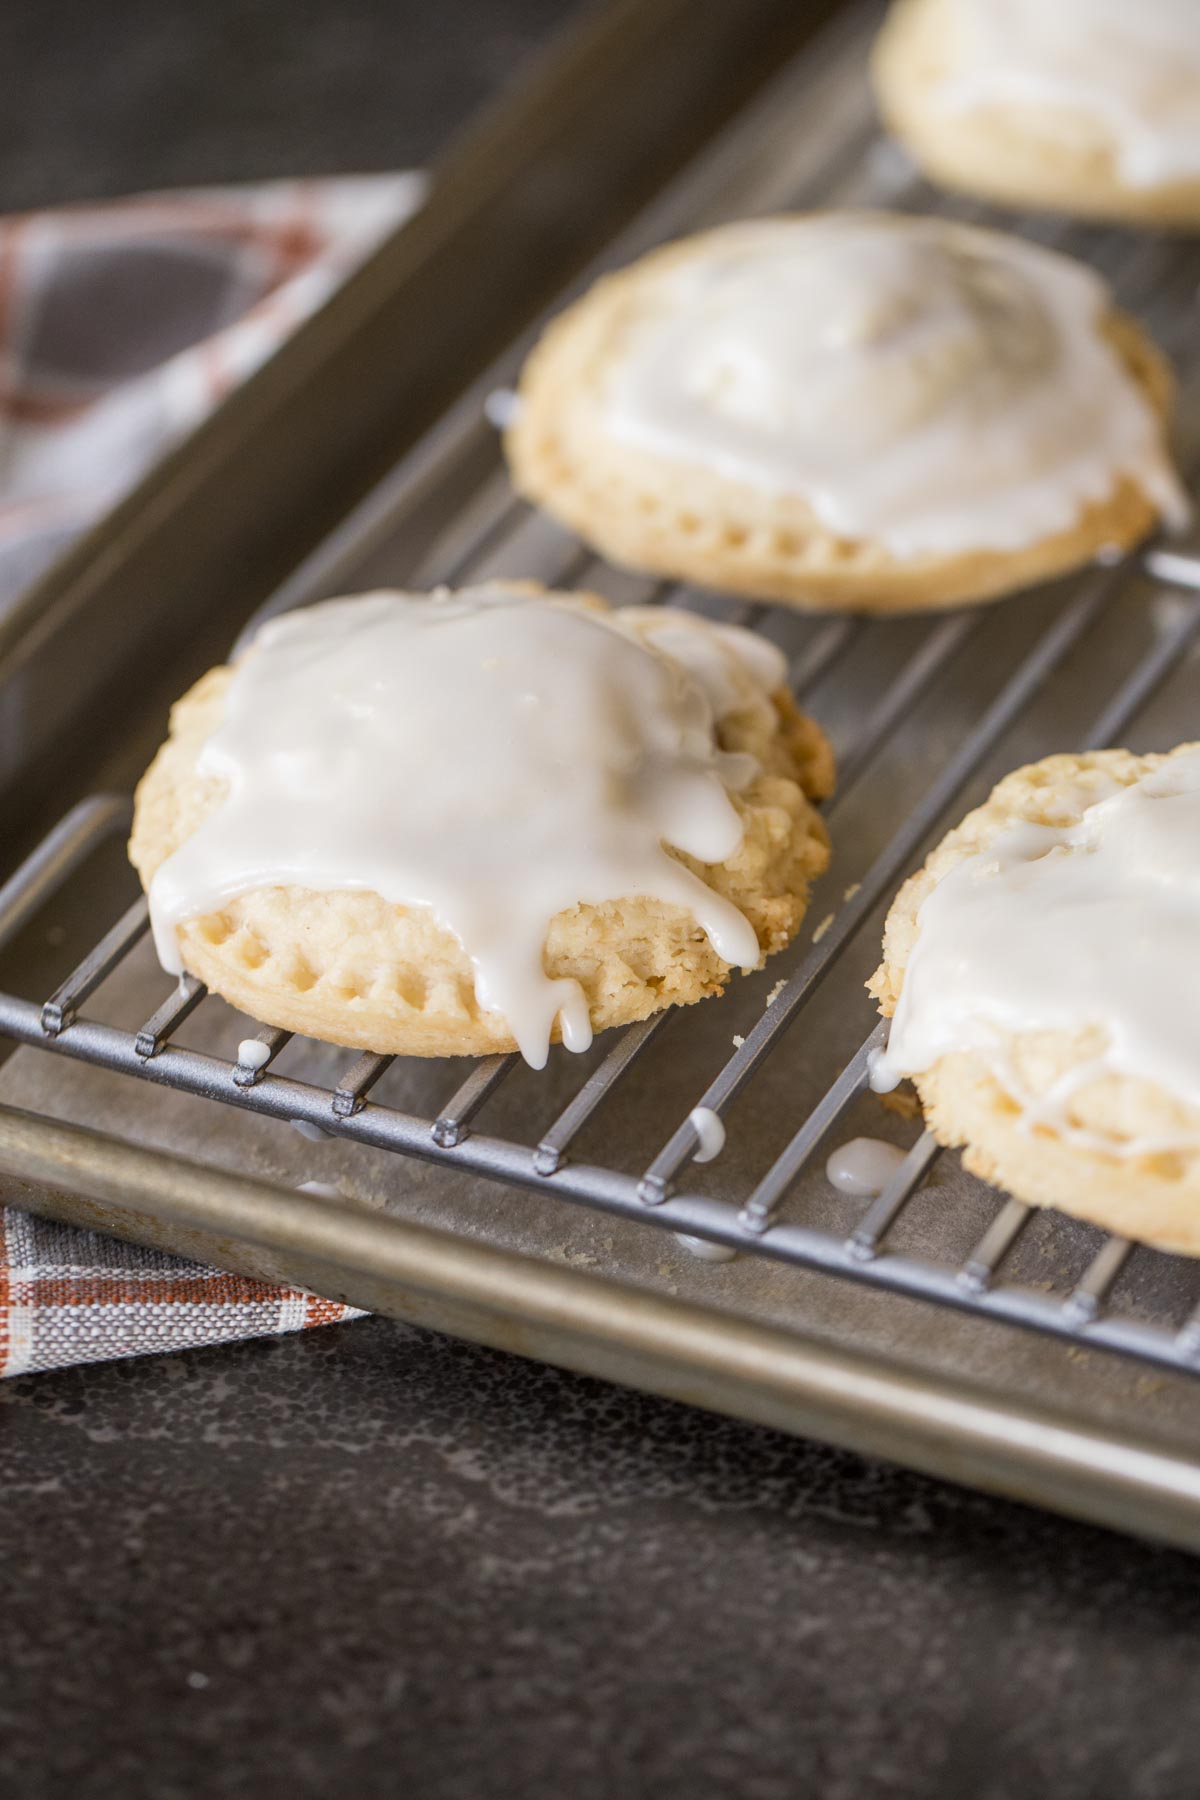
(372, 1562)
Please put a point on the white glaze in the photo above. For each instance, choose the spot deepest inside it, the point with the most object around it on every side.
(921, 384)
(863, 1167)
(704, 1250)
(253, 1054)
(1091, 926)
(502, 408)
(494, 756)
(1130, 66)
(710, 1133)
(325, 1189)
(313, 1133)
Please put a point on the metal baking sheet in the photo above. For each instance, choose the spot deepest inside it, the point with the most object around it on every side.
(959, 1393)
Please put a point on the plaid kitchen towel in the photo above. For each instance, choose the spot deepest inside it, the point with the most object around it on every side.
(121, 326)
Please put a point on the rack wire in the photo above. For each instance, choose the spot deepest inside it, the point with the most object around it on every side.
(1154, 277)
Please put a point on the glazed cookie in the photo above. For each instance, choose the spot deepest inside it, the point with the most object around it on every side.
(1083, 106)
(459, 824)
(851, 410)
(1038, 973)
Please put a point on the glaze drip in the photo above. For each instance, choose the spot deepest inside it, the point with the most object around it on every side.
(863, 1166)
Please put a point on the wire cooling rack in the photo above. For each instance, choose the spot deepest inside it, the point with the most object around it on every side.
(920, 710)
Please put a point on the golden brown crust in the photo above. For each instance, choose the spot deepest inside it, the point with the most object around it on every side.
(692, 524)
(1016, 156)
(1151, 1196)
(353, 969)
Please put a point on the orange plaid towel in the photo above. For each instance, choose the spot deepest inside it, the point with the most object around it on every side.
(121, 326)
(69, 1296)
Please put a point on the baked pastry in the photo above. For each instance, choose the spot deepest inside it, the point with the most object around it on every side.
(850, 410)
(1082, 106)
(1038, 973)
(460, 824)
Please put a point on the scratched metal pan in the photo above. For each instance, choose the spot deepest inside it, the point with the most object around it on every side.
(941, 1324)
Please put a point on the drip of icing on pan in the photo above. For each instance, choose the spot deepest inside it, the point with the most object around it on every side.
(863, 1166)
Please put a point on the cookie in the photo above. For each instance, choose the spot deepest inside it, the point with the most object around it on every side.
(848, 410)
(1089, 107)
(1038, 974)
(462, 824)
